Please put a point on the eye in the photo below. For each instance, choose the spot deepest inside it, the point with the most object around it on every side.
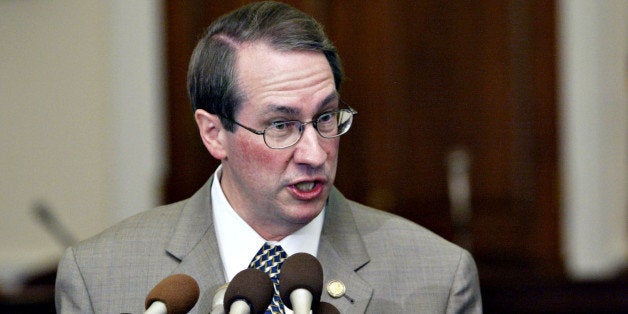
(326, 117)
(280, 125)
(283, 128)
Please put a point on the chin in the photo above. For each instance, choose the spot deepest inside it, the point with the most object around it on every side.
(305, 214)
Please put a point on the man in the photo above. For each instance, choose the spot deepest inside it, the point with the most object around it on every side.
(264, 84)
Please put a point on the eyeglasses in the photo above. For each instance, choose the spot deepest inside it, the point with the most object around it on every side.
(283, 134)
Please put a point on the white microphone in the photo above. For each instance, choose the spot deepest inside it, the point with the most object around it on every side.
(176, 294)
(301, 282)
(211, 301)
(218, 302)
(157, 307)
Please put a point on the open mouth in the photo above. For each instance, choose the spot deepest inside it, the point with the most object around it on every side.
(305, 186)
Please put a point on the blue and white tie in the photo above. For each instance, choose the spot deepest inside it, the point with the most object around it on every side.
(269, 259)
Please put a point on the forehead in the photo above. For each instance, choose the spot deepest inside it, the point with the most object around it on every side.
(267, 76)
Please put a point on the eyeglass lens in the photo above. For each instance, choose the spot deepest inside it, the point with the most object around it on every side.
(328, 125)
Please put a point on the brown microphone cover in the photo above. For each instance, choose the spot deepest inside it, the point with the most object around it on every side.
(179, 292)
(326, 308)
(253, 286)
(301, 271)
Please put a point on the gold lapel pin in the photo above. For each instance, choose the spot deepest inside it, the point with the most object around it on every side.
(336, 288)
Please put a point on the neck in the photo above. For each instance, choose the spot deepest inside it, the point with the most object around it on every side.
(272, 231)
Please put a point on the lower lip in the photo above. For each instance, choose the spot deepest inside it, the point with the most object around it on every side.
(307, 195)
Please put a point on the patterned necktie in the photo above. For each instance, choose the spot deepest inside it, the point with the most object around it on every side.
(269, 259)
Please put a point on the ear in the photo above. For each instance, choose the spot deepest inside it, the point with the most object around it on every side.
(211, 131)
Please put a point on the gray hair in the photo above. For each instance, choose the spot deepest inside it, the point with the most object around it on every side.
(212, 84)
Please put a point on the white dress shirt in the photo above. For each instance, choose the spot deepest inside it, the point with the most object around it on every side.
(238, 242)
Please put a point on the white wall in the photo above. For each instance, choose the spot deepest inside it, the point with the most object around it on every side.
(80, 120)
(138, 61)
(594, 136)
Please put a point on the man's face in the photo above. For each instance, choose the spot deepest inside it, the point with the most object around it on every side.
(277, 191)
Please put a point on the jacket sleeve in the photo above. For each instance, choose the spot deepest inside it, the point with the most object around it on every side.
(464, 296)
(71, 295)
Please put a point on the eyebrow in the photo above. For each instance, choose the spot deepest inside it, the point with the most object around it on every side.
(333, 96)
(294, 111)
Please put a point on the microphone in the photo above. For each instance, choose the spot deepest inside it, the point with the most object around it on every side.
(176, 294)
(211, 301)
(326, 308)
(218, 304)
(44, 214)
(250, 291)
(301, 282)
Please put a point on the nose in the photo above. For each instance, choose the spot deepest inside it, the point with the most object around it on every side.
(309, 150)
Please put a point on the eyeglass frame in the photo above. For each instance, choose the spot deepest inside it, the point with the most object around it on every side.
(313, 122)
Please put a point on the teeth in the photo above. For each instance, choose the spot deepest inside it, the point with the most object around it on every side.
(305, 186)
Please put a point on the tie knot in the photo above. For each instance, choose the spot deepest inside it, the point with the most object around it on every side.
(269, 259)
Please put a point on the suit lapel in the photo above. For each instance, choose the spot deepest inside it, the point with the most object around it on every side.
(342, 253)
(194, 244)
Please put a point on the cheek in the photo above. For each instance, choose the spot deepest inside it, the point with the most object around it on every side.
(257, 157)
(332, 149)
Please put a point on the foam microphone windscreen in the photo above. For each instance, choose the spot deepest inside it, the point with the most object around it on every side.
(179, 292)
(301, 271)
(253, 286)
(325, 308)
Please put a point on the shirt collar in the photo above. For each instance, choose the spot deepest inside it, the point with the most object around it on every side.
(238, 242)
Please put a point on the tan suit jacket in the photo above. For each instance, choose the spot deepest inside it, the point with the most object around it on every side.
(387, 264)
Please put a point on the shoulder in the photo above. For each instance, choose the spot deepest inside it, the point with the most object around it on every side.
(384, 232)
(416, 260)
(123, 262)
(146, 232)
(377, 226)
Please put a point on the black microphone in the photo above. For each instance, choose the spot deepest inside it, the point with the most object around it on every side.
(326, 308)
(250, 291)
(301, 282)
(47, 217)
(176, 294)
